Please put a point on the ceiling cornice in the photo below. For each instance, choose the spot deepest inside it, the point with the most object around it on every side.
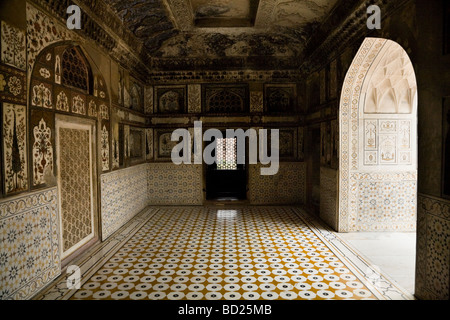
(102, 26)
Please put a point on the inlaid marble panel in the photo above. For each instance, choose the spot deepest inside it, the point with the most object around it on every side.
(104, 146)
(41, 95)
(75, 185)
(29, 247)
(123, 195)
(170, 184)
(149, 144)
(256, 101)
(286, 187)
(42, 149)
(194, 98)
(62, 101)
(15, 169)
(329, 196)
(149, 100)
(433, 256)
(13, 48)
(387, 206)
(12, 85)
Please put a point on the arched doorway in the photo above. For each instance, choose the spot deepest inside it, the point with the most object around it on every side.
(378, 141)
(69, 140)
(377, 189)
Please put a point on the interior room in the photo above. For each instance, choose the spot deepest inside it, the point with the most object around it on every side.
(313, 138)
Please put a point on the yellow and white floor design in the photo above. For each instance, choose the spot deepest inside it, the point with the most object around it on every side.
(217, 253)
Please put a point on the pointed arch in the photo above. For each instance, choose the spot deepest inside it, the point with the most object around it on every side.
(378, 144)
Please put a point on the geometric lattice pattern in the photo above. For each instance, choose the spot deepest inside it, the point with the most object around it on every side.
(226, 154)
(124, 194)
(74, 70)
(169, 184)
(200, 253)
(286, 187)
(76, 215)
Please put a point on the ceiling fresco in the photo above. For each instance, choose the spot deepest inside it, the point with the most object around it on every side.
(196, 29)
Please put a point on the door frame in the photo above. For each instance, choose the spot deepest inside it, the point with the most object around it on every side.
(72, 122)
(223, 129)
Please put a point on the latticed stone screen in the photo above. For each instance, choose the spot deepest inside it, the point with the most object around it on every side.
(74, 70)
(226, 153)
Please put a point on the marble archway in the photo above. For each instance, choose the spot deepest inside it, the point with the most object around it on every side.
(377, 187)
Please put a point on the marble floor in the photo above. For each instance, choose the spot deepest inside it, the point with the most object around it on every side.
(225, 253)
(392, 252)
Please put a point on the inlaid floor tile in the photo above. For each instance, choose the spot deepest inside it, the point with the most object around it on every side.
(246, 253)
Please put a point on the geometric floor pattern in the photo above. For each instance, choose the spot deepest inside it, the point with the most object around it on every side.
(210, 253)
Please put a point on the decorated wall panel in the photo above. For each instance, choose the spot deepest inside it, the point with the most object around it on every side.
(13, 48)
(170, 184)
(149, 144)
(301, 143)
(194, 98)
(433, 243)
(280, 98)
(149, 100)
(164, 144)
(329, 181)
(218, 98)
(170, 99)
(29, 260)
(446, 148)
(75, 178)
(137, 96)
(12, 85)
(123, 195)
(15, 156)
(387, 202)
(288, 144)
(256, 101)
(42, 142)
(286, 187)
(137, 142)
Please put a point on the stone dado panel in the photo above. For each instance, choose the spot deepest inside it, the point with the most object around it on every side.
(387, 202)
(30, 245)
(433, 248)
(329, 196)
(169, 184)
(286, 187)
(123, 195)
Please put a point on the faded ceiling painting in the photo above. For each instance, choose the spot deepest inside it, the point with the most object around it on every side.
(277, 30)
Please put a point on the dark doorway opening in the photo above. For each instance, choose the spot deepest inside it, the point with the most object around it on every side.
(226, 179)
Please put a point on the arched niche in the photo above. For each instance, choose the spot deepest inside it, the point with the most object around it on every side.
(378, 141)
(69, 134)
(63, 81)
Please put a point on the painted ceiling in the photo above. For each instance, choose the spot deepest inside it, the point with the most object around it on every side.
(260, 30)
